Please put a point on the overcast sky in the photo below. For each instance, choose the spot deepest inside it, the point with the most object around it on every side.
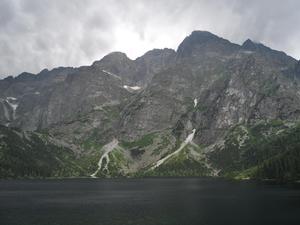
(37, 34)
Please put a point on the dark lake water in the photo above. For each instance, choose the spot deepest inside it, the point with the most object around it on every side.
(185, 201)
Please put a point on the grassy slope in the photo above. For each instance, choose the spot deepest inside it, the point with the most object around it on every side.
(183, 163)
(270, 151)
(266, 150)
(34, 155)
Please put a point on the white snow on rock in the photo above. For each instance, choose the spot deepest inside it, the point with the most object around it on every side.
(98, 107)
(11, 98)
(190, 137)
(247, 52)
(111, 74)
(107, 149)
(134, 88)
(12, 102)
(182, 146)
(195, 102)
(37, 93)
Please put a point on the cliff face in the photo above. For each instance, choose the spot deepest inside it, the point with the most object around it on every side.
(231, 85)
(151, 105)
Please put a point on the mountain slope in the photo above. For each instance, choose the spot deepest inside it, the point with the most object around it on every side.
(263, 150)
(27, 154)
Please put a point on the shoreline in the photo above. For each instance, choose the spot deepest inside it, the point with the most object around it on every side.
(259, 181)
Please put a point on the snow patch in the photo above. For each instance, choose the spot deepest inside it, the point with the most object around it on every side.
(182, 146)
(190, 137)
(247, 52)
(98, 107)
(12, 102)
(11, 98)
(111, 103)
(14, 106)
(37, 93)
(111, 74)
(195, 102)
(107, 149)
(135, 88)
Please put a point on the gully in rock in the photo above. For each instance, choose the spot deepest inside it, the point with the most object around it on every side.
(183, 144)
(107, 149)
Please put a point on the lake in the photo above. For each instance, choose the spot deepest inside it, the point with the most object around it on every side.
(155, 201)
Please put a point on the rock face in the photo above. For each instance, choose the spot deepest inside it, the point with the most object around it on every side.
(152, 104)
(137, 72)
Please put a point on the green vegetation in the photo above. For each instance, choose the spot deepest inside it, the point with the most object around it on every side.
(116, 162)
(265, 150)
(92, 152)
(144, 141)
(284, 166)
(164, 143)
(269, 88)
(111, 112)
(90, 144)
(32, 155)
(181, 164)
(271, 151)
(89, 161)
(115, 166)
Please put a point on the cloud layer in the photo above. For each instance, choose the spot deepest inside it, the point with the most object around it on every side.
(37, 34)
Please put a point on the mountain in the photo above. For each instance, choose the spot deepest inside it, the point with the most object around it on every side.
(210, 108)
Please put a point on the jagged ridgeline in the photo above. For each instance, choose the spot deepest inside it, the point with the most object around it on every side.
(210, 108)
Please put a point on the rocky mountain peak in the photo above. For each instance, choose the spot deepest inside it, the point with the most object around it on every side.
(278, 57)
(254, 46)
(158, 52)
(249, 45)
(43, 72)
(194, 39)
(25, 76)
(200, 37)
(113, 57)
(201, 42)
(55, 72)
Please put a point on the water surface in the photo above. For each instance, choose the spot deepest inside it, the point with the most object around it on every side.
(186, 201)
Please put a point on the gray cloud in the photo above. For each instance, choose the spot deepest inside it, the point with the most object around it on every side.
(37, 34)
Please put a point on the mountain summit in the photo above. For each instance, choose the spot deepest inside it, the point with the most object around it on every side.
(202, 40)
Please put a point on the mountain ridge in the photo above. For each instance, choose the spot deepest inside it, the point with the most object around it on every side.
(196, 31)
